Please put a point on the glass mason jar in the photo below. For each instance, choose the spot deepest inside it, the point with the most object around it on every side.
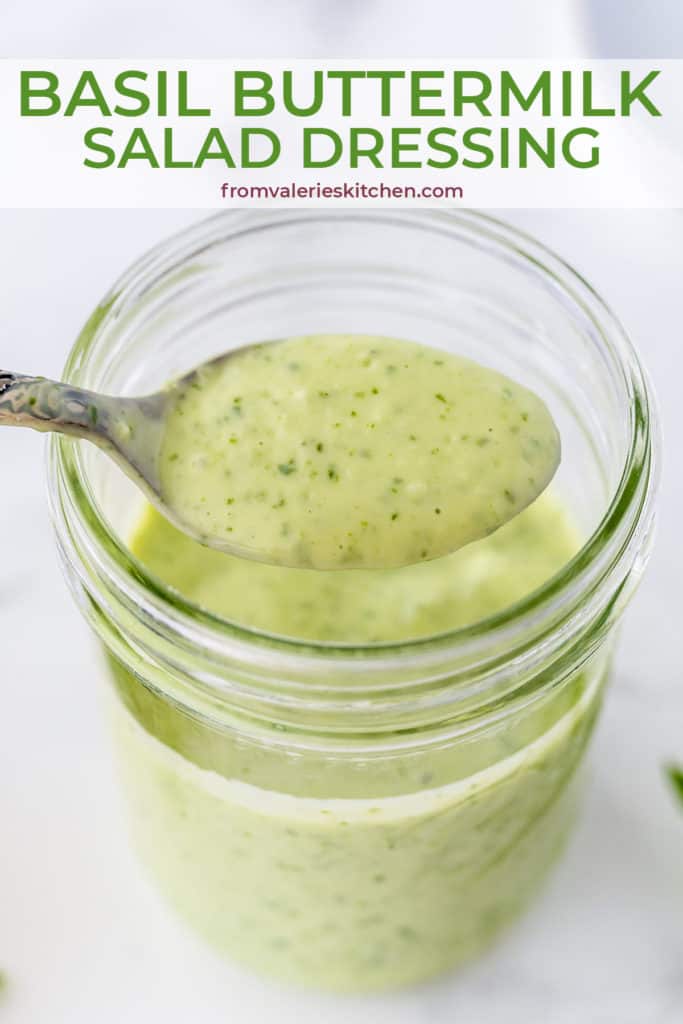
(349, 816)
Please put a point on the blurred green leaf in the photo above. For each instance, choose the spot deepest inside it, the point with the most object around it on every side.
(675, 774)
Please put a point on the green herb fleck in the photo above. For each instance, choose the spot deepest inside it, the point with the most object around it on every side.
(286, 468)
(509, 495)
(439, 397)
(319, 447)
(394, 516)
(332, 473)
(93, 414)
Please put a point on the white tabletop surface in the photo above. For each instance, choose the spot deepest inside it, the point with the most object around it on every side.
(84, 938)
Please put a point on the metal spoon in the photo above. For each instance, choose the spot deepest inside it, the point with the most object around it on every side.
(129, 430)
(136, 433)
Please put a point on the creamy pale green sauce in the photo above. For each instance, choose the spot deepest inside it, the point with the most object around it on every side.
(353, 893)
(341, 451)
(365, 606)
(339, 870)
(325, 866)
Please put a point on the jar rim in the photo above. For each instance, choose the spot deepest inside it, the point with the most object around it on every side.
(549, 617)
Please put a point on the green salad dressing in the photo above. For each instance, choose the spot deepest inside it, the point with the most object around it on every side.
(326, 870)
(319, 866)
(365, 605)
(347, 451)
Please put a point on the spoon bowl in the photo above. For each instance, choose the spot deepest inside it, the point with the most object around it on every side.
(320, 452)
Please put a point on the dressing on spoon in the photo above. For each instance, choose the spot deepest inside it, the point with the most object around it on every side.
(325, 452)
(346, 451)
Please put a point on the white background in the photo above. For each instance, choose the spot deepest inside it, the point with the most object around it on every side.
(83, 938)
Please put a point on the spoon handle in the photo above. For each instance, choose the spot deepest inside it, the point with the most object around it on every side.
(130, 430)
(47, 405)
